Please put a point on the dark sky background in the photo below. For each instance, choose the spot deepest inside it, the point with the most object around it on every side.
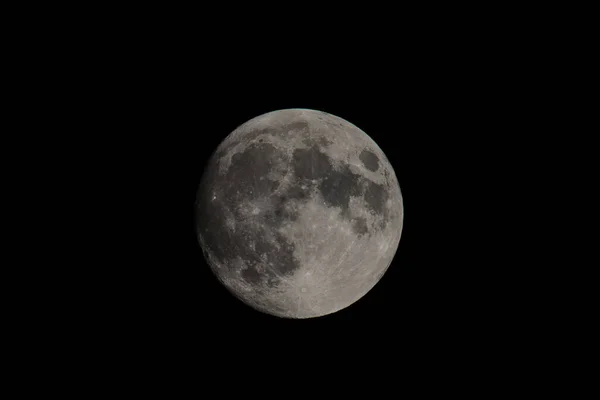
(453, 103)
(441, 124)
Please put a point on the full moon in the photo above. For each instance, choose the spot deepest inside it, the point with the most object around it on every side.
(299, 213)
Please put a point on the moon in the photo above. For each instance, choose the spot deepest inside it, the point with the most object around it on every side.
(299, 213)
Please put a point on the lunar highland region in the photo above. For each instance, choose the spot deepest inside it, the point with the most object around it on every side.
(299, 213)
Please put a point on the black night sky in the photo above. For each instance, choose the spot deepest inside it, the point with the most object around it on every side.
(145, 97)
(439, 127)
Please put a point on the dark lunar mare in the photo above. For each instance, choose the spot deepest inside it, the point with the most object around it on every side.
(242, 183)
(338, 185)
(278, 211)
(335, 186)
(247, 168)
(360, 226)
(376, 196)
(310, 163)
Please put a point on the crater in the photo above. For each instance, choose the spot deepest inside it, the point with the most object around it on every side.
(249, 136)
(369, 160)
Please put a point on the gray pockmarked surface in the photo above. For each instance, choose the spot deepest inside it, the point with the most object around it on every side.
(299, 213)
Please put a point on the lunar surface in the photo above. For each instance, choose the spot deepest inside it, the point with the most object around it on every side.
(299, 213)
